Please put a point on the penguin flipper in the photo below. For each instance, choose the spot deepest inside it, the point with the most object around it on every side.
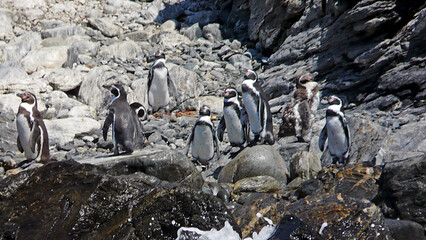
(346, 129)
(188, 141)
(216, 142)
(18, 142)
(322, 138)
(34, 138)
(221, 128)
(107, 123)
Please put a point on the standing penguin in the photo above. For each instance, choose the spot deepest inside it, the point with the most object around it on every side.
(234, 119)
(337, 131)
(160, 85)
(203, 138)
(32, 133)
(300, 111)
(126, 129)
(257, 106)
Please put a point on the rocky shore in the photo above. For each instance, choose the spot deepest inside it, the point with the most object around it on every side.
(369, 53)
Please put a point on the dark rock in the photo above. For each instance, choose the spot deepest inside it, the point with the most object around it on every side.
(255, 161)
(310, 187)
(67, 200)
(291, 227)
(340, 216)
(403, 229)
(402, 191)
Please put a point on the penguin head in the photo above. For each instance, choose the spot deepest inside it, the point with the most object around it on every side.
(204, 110)
(160, 60)
(117, 90)
(304, 79)
(230, 92)
(333, 100)
(250, 74)
(27, 97)
(139, 110)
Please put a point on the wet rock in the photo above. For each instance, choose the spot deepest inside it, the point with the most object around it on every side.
(255, 161)
(401, 189)
(291, 227)
(345, 217)
(89, 202)
(403, 229)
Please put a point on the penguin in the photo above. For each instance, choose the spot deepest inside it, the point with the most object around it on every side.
(33, 138)
(337, 131)
(234, 119)
(203, 138)
(160, 85)
(258, 110)
(126, 128)
(139, 110)
(300, 112)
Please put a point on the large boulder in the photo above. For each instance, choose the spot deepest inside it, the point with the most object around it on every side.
(47, 57)
(91, 91)
(14, 79)
(65, 200)
(255, 161)
(63, 131)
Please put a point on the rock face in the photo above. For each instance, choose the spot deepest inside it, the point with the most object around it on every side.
(87, 202)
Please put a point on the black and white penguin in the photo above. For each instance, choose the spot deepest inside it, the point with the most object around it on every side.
(203, 138)
(139, 110)
(126, 128)
(337, 131)
(258, 110)
(299, 113)
(234, 119)
(160, 85)
(32, 133)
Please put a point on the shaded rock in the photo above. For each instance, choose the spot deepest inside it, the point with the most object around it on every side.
(193, 32)
(340, 216)
(47, 57)
(310, 187)
(291, 227)
(403, 229)
(402, 189)
(106, 26)
(90, 203)
(255, 161)
(305, 165)
(212, 32)
(63, 131)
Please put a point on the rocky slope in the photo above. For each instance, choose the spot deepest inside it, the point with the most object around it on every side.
(370, 53)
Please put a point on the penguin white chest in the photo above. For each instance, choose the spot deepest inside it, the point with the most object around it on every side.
(202, 145)
(233, 126)
(158, 95)
(25, 133)
(252, 106)
(337, 141)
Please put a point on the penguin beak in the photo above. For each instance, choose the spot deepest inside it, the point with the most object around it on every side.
(23, 96)
(107, 87)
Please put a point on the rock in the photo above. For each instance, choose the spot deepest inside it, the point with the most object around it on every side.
(91, 91)
(63, 31)
(305, 165)
(133, 205)
(106, 26)
(215, 103)
(212, 32)
(261, 184)
(401, 189)
(169, 25)
(10, 101)
(193, 32)
(403, 229)
(20, 46)
(126, 50)
(63, 131)
(61, 106)
(47, 57)
(310, 187)
(347, 217)
(64, 79)
(15, 79)
(7, 127)
(186, 82)
(356, 181)
(240, 62)
(6, 28)
(255, 161)
(291, 227)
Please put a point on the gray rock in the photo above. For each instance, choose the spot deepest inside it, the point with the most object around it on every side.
(63, 131)
(106, 26)
(212, 32)
(403, 229)
(7, 128)
(255, 161)
(186, 82)
(304, 165)
(47, 57)
(169, 25)
(91, 91)
(124, 51)
(193, 32)
(241, 62)
(6, 28)
(63, 31)
(20, 46)
(64, 79)
(15, 79)
(61, 106)
(260, 184)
